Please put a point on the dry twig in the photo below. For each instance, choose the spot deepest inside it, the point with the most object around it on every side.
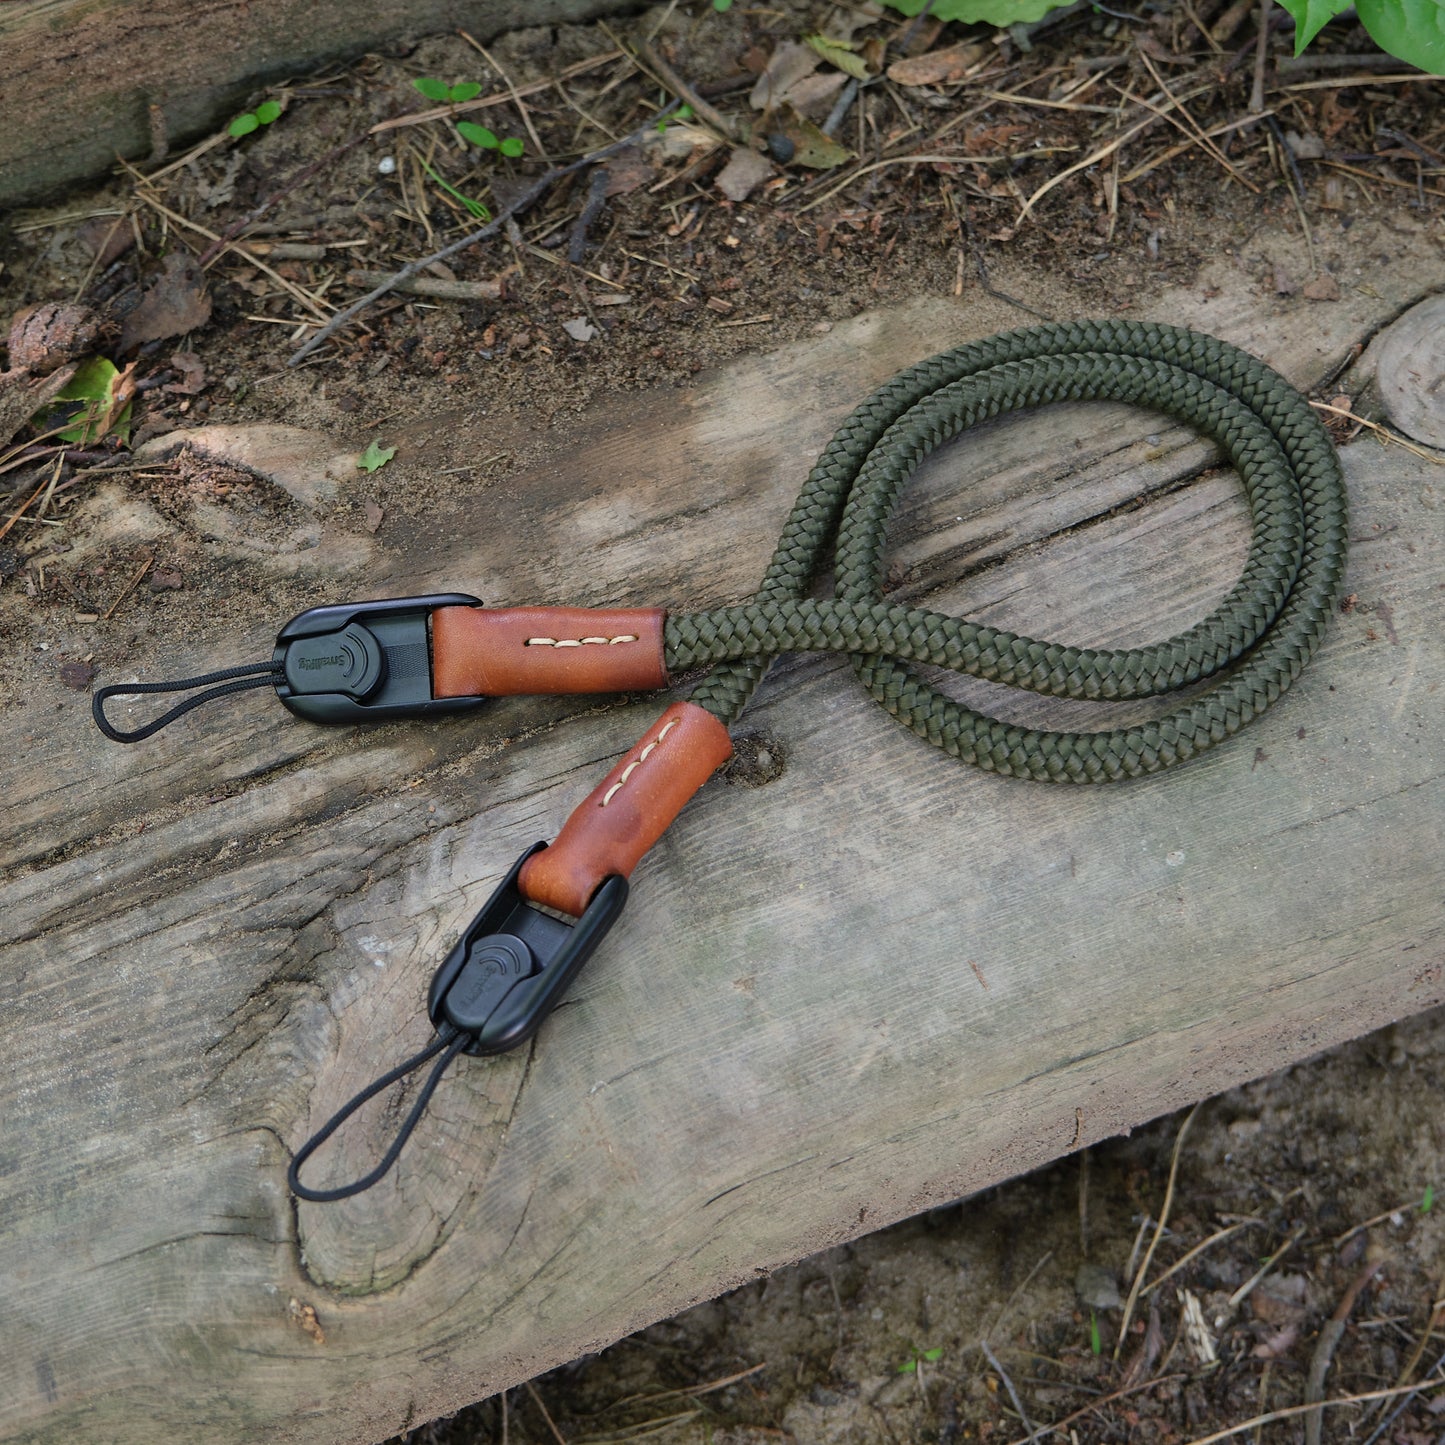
(1261, 54)
(1291, 1411)
(537, 188)
(433, 286)
(23, 508)
(1144, 167)
(512, 90)
(1405, 1376)
(1247, 1288)
(149, 198)
(664, 73)
(537, 1400)
(1388, 438)
(128, 589)
(1059, 1426)
(1324, 1352)
(1103, 152)
(256, 212)
(1013, 1394)
(1193, 126)
(1194, 1253)
(1158, 1232)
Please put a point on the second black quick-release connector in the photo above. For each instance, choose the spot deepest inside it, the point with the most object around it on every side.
(515, 962)
(492, 992)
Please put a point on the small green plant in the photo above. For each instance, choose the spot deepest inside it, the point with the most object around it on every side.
(920, 1357)
(478, 135)
(444, 94)
(683, 112)
(1095, 1343)
(1428, 1202)
(264, 114)
(375, 457)
(470, 204)
(722, 5)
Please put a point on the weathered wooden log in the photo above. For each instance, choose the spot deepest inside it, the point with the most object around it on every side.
(852, 983)
(80, 79)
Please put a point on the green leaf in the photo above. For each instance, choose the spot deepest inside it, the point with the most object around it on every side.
(467, 90)
(94, 384)
(839, 53)
(1311, 16)
(990, 12)
(267, 111)
(722, 5)
(1428, 1202)
(908, 1367)
(479, 135)
(1095, 1343)
(1410, 30)
(243, 125)
(684, 112)
(474, 208)
(375, 457)
(432, 88)
(933, 1356)
(512, 146)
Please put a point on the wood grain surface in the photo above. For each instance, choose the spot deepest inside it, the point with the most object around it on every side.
(852, 985)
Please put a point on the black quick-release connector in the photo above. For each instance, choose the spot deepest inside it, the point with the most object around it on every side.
(364, 661)
(514, 964)
(351, 662)
(508, 971)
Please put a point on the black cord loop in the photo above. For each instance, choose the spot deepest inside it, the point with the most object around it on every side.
(256, 674)
(448, 1038)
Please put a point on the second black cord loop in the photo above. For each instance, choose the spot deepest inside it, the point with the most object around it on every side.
(449, 1039)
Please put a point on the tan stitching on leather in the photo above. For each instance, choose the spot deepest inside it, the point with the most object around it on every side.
(627, 812)
(578, 641)
(498, 652)
(637, 762)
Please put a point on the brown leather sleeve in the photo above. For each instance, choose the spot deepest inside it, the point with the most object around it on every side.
(504, 651)
(629, 810)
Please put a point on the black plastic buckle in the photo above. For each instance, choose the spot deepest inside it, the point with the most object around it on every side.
(364, 661)
(514, 963)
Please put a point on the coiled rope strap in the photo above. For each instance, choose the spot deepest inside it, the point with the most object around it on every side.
(1250, 648)
(1269, 623)
(514, 962)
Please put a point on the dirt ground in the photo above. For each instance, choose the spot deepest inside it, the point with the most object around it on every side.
(1299, 1247)
(1002, 1314)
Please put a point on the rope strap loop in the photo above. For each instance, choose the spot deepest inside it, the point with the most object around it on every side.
(1256, 642)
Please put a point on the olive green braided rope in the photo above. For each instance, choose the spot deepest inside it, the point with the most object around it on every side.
(1263, 632)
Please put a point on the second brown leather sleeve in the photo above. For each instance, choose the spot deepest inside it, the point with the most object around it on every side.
(629, 810)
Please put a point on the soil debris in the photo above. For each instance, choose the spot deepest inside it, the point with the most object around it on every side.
(175, 302)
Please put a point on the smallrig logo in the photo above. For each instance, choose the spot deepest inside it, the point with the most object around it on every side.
(310, 664)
